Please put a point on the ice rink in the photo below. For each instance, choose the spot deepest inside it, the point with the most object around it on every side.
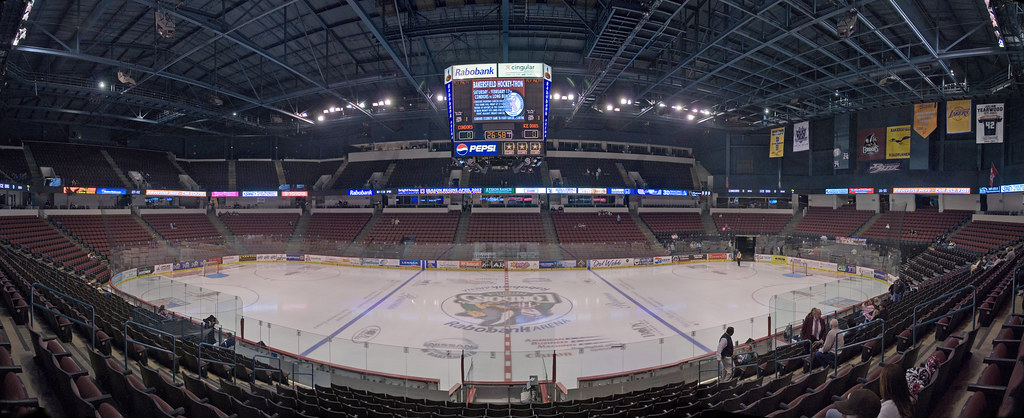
(422, 323)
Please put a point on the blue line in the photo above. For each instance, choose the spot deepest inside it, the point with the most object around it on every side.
(343, 327)
(699, 345)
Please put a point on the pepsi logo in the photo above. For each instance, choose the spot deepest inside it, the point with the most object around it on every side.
(461, 149)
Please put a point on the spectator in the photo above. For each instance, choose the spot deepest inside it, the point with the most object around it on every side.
(897, 402)
(725, 351)
(618, 218)
(814, 326)
(163, 313)
(229, 341)
(862, 403)
(868, 309)
(834, 341)
(897, 289)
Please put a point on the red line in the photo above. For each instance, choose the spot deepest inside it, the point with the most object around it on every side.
(508, 335)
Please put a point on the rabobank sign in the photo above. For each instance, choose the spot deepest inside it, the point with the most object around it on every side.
(476, 149)
(462, 72)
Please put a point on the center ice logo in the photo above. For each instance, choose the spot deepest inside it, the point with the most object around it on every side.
(495, 311)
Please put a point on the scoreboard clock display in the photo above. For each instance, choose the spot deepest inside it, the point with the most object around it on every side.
(499, 102)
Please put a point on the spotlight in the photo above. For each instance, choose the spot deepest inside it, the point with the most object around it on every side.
(690, 116)
(103, 85)
(661, 104)
(622, 101)
(609, 107)
(571, 97)
(565, 97)
(766, 110)
(387, 102)
(320, 118)
(695, 110)
(616, 109)
(234, 113)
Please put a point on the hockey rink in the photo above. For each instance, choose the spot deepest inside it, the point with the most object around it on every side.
(505, 327)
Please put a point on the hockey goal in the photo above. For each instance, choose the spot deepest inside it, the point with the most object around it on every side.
(799, 268)
(211, 266)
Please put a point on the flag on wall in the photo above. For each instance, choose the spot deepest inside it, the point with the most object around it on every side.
(992, 173)
(871, 144)
(958, 116)
(990, 123)
(897, 142)
(802, 136)
(775, 147)
(926, 118)
(841, 141)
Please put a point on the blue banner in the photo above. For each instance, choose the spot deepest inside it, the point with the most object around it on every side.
(294, 257)
(476, 149)
(409, 263)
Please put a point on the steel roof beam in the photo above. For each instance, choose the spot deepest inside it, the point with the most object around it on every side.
(116, 117)
(142, 69)
(254, 49)
(911, 8)
(368, 23)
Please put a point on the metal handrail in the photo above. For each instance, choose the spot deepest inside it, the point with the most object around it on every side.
(92, 311)
(1016, 288)
(775, 355)
(256, 368)
(172, 351)
(234, 357)
(973, 308)
(312, 377)
(835, 366)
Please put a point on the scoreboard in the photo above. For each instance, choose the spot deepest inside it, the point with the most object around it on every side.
(498, 109)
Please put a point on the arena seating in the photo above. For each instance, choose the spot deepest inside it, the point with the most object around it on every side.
(210, 175)
(431, 172)
(922, 226)
(582, 172)
(750, 223)
(934, 261)
(187, 227)
(41, 238)
(155, 166)
(256, 175)
(336, 226)
(505, 227)
(357, 174)
(983, 236)
(308, 172)
(14, 166)
(595, 228)
(842, 222)
(423, 227)
(103, 232)
(664, 224)
(267, 224)
(77, 165)
(504, 177)
(662, 175)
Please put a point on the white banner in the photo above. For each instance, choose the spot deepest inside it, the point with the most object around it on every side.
(611, 262)
(228, 259)
(522, 265)
(271, 257)
(386, 262)
(802, 136)
(447, 264)
(762, 257)
(130, 273)
(851, 241)
(865, 272)
(990, 123)
(163, 268)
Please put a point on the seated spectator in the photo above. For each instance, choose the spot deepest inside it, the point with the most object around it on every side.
(229, 341)
(829, 349)
(897, 401)
(163, 313)
(862, 403)
(868, 309)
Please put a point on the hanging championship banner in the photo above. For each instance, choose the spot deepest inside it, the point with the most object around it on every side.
(990, 123)
(802, 136)
(871, 144)
(926, 118)
(897, 142)
(775, 147)
(958, 116)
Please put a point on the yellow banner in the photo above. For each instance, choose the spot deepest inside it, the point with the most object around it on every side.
(926, 118)
(898, 142)
(958, 116)
(776, 146)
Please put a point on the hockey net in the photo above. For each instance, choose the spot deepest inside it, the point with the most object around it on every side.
(799, 267)
(211, 266)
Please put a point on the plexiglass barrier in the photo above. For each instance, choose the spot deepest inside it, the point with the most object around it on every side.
(482, 359)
